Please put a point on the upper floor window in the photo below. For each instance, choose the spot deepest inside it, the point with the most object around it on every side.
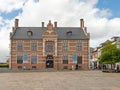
(49, 46)
(19, 59)
(33, 59)
(79, 45)
(65, 59)
(34, 46)
(20, 46)
(65, 45)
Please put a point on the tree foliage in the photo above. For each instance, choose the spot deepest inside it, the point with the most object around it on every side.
(110, 54)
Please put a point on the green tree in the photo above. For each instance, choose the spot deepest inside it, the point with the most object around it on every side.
(110, 54)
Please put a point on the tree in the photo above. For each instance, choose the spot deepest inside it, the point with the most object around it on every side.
(110, 54)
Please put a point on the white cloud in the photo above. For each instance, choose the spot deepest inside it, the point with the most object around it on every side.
(7, 6)
(66, 13)
(5, 29)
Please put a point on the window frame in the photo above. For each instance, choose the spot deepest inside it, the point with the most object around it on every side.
(20, 58)
(19, 45)
(65, 45)
(34, 46)
(34, 57)
(79, 46)
(49, 46)
(65, 58)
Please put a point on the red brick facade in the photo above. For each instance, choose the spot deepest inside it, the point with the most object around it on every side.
(42, 54)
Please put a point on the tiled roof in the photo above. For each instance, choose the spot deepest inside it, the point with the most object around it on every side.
(77, 33)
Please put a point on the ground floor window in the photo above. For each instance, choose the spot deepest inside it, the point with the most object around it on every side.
(79, 59)
(33, 59)
(65, 59)
(19, 59)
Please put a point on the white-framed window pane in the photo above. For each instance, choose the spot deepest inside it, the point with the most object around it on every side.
(33, 46)
(19, 46)
(65, 46)
(65, 59)
(33, 59)
(19, 59)
(79, 46)
(49, 46)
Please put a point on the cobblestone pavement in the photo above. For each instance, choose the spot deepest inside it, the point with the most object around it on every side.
(60, 80)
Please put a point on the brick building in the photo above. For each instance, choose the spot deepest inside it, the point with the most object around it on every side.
(49, 47)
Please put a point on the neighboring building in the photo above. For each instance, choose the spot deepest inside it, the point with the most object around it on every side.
(91, 58)
(49, 47)
(95, 61)
(116, 40)
(97, 52)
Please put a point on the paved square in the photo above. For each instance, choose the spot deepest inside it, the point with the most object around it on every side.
(61, 80)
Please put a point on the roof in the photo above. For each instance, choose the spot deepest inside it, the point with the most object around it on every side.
(77, 33)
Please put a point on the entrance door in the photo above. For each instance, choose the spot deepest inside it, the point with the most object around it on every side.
(49, 61)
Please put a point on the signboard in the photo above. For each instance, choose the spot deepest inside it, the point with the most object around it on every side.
(25, 57)
(75, 55)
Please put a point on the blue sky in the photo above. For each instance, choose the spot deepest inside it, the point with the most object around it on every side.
(113, 5)
(11, 15)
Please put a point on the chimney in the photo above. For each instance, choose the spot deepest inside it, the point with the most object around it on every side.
(42, 24)
(16, 23)
(55, 24)
(81, 23)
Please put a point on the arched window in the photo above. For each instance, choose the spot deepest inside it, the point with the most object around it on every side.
(29, 33)
(69, 33)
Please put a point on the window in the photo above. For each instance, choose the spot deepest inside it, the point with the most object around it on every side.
(49, 46)
(19, 59)
(19, 46)
(33, 59)
(79, 46)
(79, 59)
(65, 59)
(65, 45)
(34, 46)
(69, 33)
(29, 33)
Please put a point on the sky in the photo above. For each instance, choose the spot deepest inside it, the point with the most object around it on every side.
(101, 17)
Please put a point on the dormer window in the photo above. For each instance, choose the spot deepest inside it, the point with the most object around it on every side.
(69, 33)
(29, 33)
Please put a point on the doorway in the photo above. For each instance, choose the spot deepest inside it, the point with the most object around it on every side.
(49, 61)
